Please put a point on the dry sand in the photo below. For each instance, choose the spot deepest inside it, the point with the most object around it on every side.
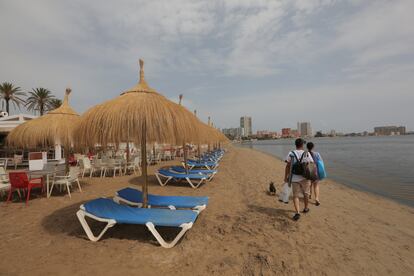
(243, 231)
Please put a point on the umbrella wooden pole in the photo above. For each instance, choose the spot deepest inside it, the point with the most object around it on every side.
(127, 153)
(144, 166)
(153, 154)
(199, 153)
(127, 158)
(67, 153)
(185, 158)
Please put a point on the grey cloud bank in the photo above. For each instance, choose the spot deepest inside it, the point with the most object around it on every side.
(344, 65)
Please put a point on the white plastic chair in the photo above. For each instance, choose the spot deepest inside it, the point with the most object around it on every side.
(17, 160)
(86, 166)
(67, 180)
(134, 165)
(99, 165)
(4, 181)
(113, 165)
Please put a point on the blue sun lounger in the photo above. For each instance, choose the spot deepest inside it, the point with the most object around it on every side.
(106, 210)
(209, 165)
(169, 175)
(209, 173)
(133, 197)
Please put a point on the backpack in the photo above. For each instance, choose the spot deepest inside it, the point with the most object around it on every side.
(308, 169)
(311, 170)
(298, 167)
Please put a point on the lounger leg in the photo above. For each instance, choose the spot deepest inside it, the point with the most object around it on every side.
(199, 208)
(81, 216)
(184, 228)
(211, 177)
(191, 183)
(160, 181)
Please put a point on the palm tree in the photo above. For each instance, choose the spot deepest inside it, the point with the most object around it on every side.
(9, 92)
(39, 99)
(55, 103)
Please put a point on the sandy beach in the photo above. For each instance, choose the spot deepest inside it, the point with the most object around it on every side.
(243, 231)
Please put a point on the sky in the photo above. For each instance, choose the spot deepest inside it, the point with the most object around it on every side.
(344, 65)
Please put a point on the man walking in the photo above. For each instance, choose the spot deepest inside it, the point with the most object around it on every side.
(300, 184)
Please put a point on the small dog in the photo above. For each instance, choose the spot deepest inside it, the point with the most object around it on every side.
(272, 189)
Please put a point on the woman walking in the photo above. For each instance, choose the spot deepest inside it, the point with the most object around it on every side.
(315, 184)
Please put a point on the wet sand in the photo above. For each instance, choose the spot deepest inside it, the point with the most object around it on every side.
(243, 231)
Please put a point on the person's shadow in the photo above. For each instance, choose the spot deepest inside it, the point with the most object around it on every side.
(276, 213)
(282, 218)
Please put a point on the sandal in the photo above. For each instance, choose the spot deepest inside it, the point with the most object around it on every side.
(296, 216)
(317, 203)
(305, 210)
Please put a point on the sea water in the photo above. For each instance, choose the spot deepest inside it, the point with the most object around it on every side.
(380, 165)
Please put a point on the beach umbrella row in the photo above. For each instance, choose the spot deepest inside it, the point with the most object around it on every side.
(140, 115)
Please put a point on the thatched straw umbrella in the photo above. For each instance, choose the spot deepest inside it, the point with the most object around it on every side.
(56, 127)
(140, 115)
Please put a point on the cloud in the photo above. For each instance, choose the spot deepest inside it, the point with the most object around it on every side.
(378, 32)
(229, 58)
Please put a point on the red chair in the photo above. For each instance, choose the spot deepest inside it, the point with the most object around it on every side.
(19, 180)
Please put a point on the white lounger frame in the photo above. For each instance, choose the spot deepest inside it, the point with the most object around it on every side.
(203, 166)
(168, 178)
(81, 214)
(121, 200)
(211, 176)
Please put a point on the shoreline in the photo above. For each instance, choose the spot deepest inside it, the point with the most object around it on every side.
(346, 183)
(243, 230)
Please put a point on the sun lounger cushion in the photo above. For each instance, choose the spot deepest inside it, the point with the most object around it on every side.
(180, 169)
(202, 163)
(181, 175)
(108, 209)
(134, 195)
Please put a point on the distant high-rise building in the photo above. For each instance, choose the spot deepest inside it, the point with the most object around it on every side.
(389, 130)
(246, 125)
(286, 132)
(304, 129)
(235, 132)
(294, 133)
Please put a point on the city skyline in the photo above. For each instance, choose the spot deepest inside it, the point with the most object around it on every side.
(309, 131)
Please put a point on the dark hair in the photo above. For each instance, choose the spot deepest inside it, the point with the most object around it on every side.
(310, 146)
(299, 142)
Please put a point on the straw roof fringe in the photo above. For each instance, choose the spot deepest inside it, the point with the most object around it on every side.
(55, 127)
